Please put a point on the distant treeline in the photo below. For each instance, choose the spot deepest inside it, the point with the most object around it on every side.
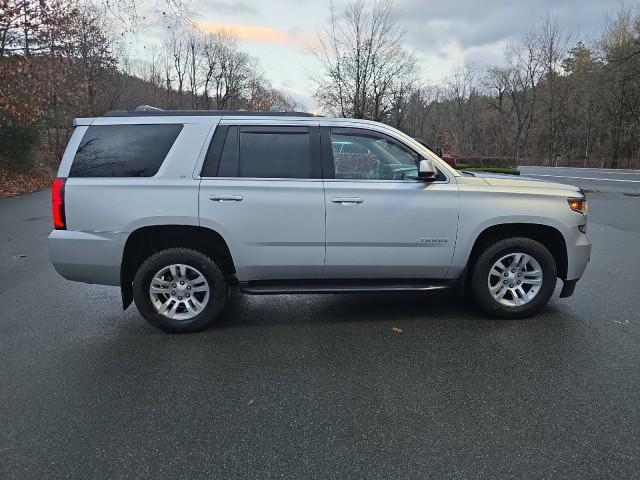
(554, 100)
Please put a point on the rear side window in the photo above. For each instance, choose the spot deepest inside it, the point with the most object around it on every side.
(123, 150)
(261, 152)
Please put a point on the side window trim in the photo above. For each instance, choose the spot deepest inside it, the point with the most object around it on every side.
(328, 168)
(230, 151)
(273, 129)
(198, 167)
(211, 164)
(214, 152)
(316, 156)
(363, 132)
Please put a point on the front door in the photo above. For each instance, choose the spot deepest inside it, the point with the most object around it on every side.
(261, 189)
(381, 223)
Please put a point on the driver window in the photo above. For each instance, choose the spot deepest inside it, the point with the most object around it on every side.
(369, 157)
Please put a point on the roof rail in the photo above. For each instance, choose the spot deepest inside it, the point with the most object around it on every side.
(148, 111)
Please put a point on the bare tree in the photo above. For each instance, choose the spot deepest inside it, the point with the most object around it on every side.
(620, 51)
(263, 97)
(496, 81)
(211, 63)
(402, 88)
(233, 71)
(12, 28)
(179, 54)
(131, 13)
(194, 49)
(227, 70)
(420, 119)
(461, 88)
(167, 67)
(521, 79)
(552, 46)
(361, 54)
(584, 108)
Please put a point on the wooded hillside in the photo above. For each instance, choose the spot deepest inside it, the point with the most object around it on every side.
(60, 60)
(555, 99)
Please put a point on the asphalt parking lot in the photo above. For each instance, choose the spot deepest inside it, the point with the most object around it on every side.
(323, 386)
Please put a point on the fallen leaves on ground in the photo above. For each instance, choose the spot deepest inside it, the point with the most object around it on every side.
(14, 183)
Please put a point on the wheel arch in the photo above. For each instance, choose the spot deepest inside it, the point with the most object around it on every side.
(147, 240)
(547, 235)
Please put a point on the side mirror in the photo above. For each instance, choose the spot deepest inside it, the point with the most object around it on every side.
(427, 171)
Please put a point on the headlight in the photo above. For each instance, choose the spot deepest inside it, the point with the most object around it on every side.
(578, 205)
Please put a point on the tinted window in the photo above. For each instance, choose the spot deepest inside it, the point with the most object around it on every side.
(367, 157)
(123, 150)
(266, 152)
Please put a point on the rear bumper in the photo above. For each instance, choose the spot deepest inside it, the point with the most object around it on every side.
(87, 257)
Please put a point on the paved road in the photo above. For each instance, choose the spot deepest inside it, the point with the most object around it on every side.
(592, 179)
(320, 386)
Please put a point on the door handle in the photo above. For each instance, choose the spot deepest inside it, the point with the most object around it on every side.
(347, 200)
(226, 198)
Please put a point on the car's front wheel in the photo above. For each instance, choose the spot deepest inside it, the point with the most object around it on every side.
(514, 278)
(179, 290)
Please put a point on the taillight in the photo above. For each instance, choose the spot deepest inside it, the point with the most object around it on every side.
(57, 204)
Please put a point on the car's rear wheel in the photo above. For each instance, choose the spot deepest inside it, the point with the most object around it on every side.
(179, 290)
(514, 278)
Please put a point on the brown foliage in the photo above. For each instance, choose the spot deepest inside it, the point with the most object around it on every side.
(14, 183)
(23, 91)
(31, 85)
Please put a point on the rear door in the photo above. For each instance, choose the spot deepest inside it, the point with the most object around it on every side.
(381, 223)
(261, 189)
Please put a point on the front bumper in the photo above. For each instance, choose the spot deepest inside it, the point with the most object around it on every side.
(578, 253)
(578, 256)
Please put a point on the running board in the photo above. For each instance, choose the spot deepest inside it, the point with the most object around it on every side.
(279, 287)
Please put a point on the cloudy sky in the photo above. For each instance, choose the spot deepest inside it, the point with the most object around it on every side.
(441, 33)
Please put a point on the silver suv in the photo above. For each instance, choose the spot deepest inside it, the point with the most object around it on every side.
(177, 207)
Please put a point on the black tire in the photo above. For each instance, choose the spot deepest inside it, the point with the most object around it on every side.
(208, 268)
(491, 254)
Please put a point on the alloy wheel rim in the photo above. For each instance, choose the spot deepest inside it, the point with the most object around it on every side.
(515, 279)
(179, 292)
